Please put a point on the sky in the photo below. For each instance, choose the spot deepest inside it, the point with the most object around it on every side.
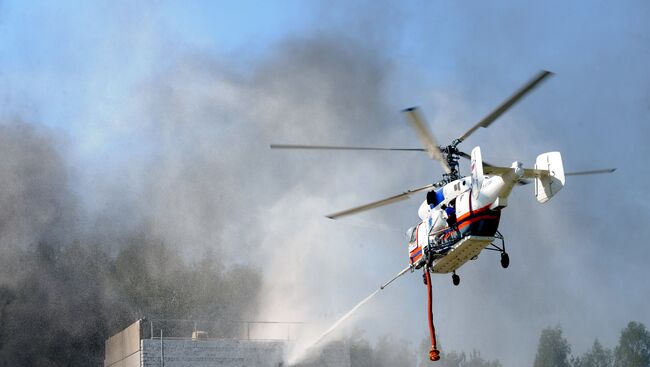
(165, 111)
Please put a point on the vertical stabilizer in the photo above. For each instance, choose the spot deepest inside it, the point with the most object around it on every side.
(477, 171)
(546, 186)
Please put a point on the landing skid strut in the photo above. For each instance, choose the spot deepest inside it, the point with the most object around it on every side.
(505, 259)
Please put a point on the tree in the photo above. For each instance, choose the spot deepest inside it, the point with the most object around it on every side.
(633, 348)
(596, 357)
(553, 349)
(388, 351)
(475, 360)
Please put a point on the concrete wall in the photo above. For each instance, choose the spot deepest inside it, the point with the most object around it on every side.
(128, 349)
(123, 348)
(234, 353)
(212, 353)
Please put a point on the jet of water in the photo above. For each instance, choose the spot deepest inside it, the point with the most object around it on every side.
(298, 357)
(303, 353)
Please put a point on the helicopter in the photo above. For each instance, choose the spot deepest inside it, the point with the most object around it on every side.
(460, 216)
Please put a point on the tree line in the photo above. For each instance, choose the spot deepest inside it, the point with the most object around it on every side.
(553, 350)
(633, 350)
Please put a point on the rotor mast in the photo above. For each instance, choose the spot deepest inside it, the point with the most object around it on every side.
(452, 155)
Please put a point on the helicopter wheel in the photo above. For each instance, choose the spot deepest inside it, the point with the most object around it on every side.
(505, 260)
(455, 279)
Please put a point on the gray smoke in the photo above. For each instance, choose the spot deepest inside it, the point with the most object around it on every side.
(64, 290)
(35, 198)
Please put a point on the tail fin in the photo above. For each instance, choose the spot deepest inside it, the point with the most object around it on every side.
(477, 171)
(546, 186)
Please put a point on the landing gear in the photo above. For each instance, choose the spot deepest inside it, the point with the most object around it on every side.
(505, 260)
(455, 279)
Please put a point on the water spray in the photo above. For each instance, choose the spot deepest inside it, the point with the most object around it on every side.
(347, 315)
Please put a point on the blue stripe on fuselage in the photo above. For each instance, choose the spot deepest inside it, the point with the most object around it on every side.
(439, 196)
(416, 254)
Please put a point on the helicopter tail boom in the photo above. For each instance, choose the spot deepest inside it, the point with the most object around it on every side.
(548, 175)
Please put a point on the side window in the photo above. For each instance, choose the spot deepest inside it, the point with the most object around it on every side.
(461, 203)
(422, 235)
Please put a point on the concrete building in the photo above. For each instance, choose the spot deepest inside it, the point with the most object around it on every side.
(138, 346)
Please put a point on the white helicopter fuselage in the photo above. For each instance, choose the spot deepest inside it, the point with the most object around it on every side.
(476, 215)
(477, 201)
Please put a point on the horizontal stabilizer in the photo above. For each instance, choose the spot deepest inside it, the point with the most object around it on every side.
(535, 173)
(528, 172)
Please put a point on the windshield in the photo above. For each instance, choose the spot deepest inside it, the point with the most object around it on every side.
(411, 234)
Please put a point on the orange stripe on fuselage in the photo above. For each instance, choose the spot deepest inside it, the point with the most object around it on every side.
(476, 215)
(476, 212)
(417, 246)
(472, 220)
(468, 222)
(473, 212)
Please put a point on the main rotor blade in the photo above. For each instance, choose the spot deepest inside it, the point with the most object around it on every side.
(592, 172)
(328, 147)
(375, 204)
(503, 107)
(467, 156)
(425, 135)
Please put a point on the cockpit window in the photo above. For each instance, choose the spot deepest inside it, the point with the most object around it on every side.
(411, 234)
